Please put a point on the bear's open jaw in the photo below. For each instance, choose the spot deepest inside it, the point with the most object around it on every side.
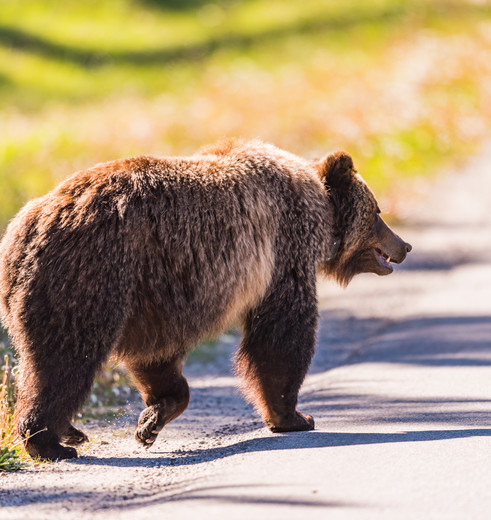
(383, 259)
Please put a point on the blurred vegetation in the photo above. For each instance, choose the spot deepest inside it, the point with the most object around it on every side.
(404, 86)
(12, 455)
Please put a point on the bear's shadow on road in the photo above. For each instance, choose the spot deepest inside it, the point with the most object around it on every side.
(186, 490)
(290, 441)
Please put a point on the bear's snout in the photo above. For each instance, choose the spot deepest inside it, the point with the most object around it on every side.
(393, 248)
(400, 251)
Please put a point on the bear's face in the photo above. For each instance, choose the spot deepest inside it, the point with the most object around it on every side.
(364, 242)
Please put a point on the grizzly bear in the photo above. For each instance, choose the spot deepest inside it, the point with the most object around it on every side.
(142, 258)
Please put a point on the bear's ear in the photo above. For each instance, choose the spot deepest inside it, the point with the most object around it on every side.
(337, 170)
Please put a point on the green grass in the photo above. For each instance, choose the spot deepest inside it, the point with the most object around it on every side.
(82, 82)
(12, 454)
(79, 51)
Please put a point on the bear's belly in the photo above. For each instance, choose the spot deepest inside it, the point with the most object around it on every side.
(182, 310)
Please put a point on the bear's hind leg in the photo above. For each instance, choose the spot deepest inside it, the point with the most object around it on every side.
(38, 424)
(45, 445)
(165, 391)
(46, 403)
(276, 351)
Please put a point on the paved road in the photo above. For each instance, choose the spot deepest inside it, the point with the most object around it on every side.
(400, 389)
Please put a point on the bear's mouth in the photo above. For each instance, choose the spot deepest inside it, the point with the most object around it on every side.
(383, 259)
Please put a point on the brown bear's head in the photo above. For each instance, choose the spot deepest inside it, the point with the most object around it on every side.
(365, 244)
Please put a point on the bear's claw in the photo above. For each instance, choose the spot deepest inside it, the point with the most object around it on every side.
(74, 437)
(299, 422)
(150, 424)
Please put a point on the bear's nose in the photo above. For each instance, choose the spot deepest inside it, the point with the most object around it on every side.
(408, 247)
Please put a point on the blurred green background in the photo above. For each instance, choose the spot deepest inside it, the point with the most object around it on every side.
(404, 86)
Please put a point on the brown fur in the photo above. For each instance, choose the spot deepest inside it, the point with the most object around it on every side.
(144, 257)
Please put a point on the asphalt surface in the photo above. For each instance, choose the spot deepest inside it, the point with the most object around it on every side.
(400, 390)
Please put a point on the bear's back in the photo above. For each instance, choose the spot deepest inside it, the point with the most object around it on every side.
(173, 234)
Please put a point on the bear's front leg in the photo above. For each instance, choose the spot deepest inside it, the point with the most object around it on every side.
(276, 351)
(165, 391)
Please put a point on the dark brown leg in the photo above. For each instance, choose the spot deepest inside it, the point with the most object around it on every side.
(42, 440)
(165, 391)
(51, 389)
(276, 351)
(44, 410)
